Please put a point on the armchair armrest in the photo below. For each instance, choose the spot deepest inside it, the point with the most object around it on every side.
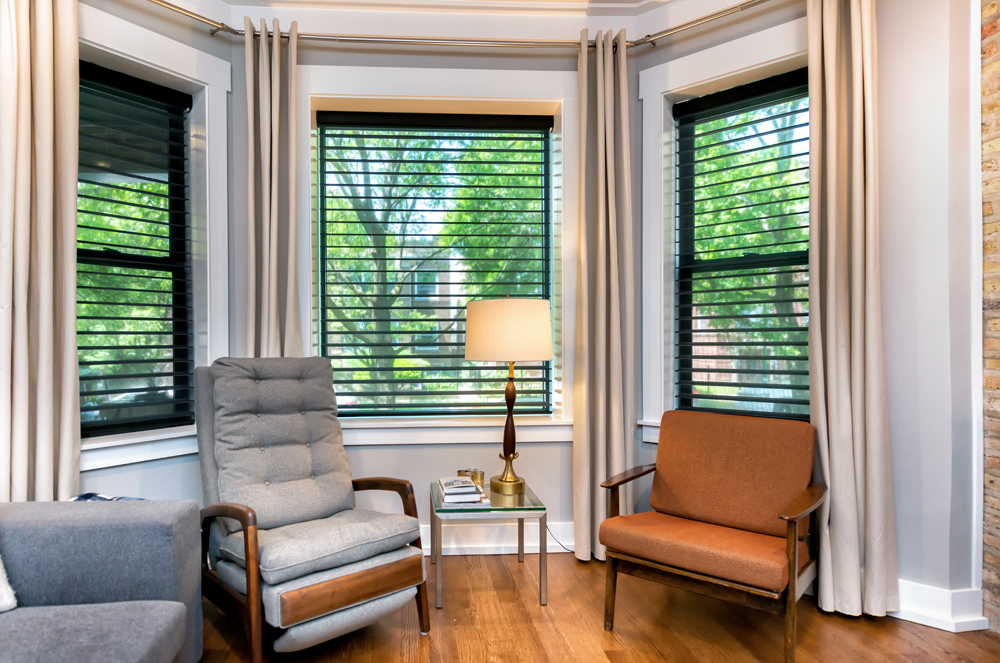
(807, 502)
(619, 480)
(628, 475)
(402, 487)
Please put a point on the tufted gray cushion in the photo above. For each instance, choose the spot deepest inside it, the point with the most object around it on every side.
(296, 550)
(278, 444)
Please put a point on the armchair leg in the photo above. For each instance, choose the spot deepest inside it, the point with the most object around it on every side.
(609, 593)
(255, 634)
(422, 610)
(791, 624)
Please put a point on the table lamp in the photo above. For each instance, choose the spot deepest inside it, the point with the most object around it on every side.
(508, 330)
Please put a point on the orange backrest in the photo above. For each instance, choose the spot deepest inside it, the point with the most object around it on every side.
(731, 470)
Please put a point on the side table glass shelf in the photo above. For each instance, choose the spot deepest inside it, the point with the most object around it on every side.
(502, 507)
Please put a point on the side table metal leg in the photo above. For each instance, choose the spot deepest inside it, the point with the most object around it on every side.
(543, 567)
(437, 570)
(520, 539)
(433, 537)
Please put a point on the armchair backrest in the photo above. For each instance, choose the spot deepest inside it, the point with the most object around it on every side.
(731, 470)
(269, 438)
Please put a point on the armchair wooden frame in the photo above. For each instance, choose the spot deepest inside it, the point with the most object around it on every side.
(778, 603)
(314, 600)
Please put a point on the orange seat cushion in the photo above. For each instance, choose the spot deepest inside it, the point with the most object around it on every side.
(732, 470)
(745, 557)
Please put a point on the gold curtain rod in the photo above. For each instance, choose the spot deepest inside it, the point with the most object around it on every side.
(473, 41)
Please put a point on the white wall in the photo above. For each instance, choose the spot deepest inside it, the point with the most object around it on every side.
(931, 281)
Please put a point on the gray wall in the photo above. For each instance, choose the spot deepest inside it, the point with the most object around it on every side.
(927, 281)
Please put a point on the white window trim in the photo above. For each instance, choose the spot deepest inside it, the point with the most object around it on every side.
(457, 91)
(760, 55)
(115, 43)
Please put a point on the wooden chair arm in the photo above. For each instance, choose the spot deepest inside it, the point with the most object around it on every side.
(628, 475)
(615, 482)
(807, 502)
(247, 517)
(402, 487)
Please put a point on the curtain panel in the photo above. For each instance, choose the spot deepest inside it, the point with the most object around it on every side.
(604, 398)
(273, 325)
(857, 563)
(39, 136)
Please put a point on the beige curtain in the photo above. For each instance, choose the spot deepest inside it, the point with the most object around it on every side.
(273, 325)
(603, 396)
(39, 132)
(857, 563)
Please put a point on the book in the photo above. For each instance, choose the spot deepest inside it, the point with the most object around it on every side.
(457, 486)
(464, 500)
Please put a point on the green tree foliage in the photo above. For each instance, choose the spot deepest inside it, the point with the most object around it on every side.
(416, 223)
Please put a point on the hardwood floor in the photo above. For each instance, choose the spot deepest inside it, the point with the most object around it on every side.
(491, 613)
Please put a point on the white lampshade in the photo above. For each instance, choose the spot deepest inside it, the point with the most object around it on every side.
(508, 330)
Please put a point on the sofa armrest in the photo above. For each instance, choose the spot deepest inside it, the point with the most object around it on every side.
(69, 553)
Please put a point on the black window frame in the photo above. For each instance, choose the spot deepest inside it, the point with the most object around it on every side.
(174, 105)
(541, 372)
(687, 115)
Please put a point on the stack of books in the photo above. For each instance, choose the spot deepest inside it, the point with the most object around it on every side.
(462, 492)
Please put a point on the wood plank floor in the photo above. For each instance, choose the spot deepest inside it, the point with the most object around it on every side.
(491, 613)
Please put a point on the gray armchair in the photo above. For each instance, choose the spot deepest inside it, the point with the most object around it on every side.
(287, 551)
(101, 581)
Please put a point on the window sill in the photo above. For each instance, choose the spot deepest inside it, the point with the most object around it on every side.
(650, 430)
(380, 431)
(127, 448)
(139, 447)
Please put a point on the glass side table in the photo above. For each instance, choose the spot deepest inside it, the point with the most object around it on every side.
(502, 507)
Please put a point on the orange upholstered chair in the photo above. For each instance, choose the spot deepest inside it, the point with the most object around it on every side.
(731, 501)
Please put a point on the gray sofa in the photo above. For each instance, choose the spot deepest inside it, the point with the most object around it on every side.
(114, 582)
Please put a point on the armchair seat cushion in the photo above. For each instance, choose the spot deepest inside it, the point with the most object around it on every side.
(732, 554)
(124, 632)
(296, 550)
(235, 576)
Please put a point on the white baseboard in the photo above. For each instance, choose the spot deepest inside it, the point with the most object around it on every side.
(955, 610)
(495, 538)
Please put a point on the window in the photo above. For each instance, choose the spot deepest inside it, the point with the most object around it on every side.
(448, 207)
(424, 284)
(742, 300)
(134, 318)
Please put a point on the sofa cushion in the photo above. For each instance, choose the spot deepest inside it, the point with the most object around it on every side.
(236, 577)
(126, 632)
(7, 599)
(722, 552)
(732, 470)
(278, 444)
(296, 550)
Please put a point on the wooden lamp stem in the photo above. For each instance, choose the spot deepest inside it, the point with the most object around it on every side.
(508, 483)
(510, 394)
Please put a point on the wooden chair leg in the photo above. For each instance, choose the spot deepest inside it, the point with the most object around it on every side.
(609, 594)
(422, 610)
(791, 624)
(255, 635)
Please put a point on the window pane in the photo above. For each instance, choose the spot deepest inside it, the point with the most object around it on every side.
(133, 314)
(416, 222)
(742, 254)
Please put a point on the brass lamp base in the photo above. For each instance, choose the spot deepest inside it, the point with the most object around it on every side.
(507, 483)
